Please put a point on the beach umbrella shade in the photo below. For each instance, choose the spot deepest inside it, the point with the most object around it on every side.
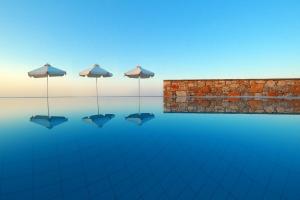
(44, 72)
(139, 73)
(98, 120)
(95, 72)
(140, 118)
(48, 122)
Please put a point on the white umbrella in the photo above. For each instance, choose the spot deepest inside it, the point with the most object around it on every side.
(96, 72)
(139, 73)
(46, 71)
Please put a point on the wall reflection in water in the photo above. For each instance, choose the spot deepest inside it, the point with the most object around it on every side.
(232, 105)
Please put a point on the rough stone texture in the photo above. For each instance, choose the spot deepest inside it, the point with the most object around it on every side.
(232, 105)
(233, 87)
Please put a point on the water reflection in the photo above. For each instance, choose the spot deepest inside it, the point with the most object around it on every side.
(98, 120)
(48, 121)
(140, 118)
(202, 157)
(232, 105)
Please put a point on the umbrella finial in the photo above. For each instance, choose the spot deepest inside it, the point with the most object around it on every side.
(96, 65)
(47, 65)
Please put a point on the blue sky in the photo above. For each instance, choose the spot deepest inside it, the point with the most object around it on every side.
(175, 39)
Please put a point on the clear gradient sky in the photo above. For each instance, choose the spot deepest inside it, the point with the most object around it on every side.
(175, 39)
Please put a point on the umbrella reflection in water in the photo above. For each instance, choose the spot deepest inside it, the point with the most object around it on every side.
(140, 118)
(48, 121)
(98, 120)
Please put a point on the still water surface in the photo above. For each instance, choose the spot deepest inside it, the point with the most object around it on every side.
(121, 153)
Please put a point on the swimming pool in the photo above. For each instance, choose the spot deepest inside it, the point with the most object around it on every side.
(160, 149)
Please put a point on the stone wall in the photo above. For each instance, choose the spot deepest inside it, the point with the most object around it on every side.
(233, 87)
(232, 105)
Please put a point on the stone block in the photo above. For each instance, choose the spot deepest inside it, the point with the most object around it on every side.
(269, 109)
(296, 90)
(290, 82)
(192, 85)
(205, 89)
(256, 87)
(234, 93)
(200, 83)
(181, 93)
(281, 83)
(270, 84)
(209, 83)
(175, 87)
(167, 83)
(225, 89)
(272, 93)
(260, 81)
(234, 85)
(255, 104)
(182, 87)
(167, 94)
(181, 99)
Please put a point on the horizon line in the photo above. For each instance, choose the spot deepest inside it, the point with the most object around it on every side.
(42, 97)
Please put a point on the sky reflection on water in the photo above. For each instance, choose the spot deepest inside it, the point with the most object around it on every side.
(170, 156)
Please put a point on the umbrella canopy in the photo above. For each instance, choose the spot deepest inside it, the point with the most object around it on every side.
(45, 71)
(98, 120)
(96, 72)
(140, 118)
(48, 122)
(139, 72)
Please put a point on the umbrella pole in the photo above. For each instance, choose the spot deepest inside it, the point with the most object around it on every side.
(47, 97)
(139, 94)
(97, 94)
(139, 86)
